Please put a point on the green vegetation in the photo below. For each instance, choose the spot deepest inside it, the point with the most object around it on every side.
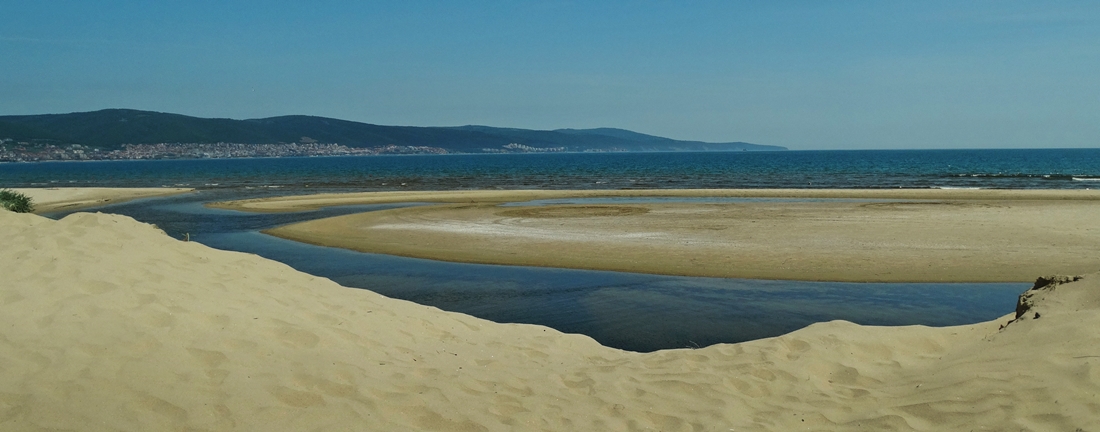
(16, 201)
(110, 129)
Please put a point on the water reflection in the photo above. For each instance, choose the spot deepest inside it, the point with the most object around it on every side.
(630, 311)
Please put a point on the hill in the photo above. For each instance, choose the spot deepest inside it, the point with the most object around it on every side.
(112, 128)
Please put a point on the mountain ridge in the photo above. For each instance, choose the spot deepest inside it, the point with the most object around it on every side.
(113, 128)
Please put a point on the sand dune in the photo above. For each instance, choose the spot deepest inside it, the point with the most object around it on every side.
(61, 199)
(902, 236)
(108, 324)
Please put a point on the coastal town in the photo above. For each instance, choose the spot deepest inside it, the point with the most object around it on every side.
(40, 151)
(13, 151)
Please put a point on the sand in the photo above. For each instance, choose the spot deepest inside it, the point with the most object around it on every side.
(108, 324)
(903, 236)
(315, 201)
(48, 200)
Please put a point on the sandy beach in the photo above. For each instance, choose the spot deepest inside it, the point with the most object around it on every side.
(314, 201)
(108, 324)
(823, 235)
(67, 199)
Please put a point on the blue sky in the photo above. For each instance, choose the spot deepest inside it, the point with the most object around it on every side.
(802, 74)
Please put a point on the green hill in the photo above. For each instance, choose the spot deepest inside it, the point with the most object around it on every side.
(111, 128)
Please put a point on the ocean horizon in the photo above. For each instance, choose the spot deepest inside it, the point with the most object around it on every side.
(858, 169)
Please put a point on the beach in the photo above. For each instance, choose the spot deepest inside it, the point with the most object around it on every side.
(139, 331)
(108, 324)
(925, 235)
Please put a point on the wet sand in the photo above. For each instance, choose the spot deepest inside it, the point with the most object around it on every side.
(314, 201)
(910, 236)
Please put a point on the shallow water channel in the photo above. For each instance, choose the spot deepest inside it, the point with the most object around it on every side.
(636, 312)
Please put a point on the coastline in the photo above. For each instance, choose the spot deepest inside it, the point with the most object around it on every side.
(57, 199)
(314, 201)
(139, 331)
(945, 236)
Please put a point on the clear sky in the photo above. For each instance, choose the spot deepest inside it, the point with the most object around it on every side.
(801, 74)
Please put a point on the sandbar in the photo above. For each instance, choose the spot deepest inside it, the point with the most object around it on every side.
(48, 200)
(293, 203)
(109, 324)
(818, 235)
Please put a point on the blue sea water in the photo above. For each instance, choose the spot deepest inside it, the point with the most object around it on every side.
(628, 311)
(998, 169)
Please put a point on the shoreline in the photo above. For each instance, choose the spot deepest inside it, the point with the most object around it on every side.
(48, 200)
(306, 202)
(948, 236)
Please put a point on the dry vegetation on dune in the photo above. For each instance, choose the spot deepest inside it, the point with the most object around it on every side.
(108, 324)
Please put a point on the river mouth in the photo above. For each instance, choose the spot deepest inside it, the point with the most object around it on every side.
(629, 311)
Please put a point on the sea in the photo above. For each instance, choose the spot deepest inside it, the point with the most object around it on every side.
(875, 169)
(637, 312)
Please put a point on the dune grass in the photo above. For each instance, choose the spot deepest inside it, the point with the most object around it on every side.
(15, 201)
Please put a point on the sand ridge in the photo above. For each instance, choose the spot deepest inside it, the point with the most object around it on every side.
(313, 201)
(68, 199)
(108, 324)
(991, 236)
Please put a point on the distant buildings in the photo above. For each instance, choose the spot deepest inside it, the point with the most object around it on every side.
(22, 151)
(11, 151)
(43, 150)
(520, 148)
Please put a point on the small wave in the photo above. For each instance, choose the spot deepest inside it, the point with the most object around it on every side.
(1086, 178)
(957, 187)
(1020, 176)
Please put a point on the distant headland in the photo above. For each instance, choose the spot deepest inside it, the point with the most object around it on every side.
(132, 134)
